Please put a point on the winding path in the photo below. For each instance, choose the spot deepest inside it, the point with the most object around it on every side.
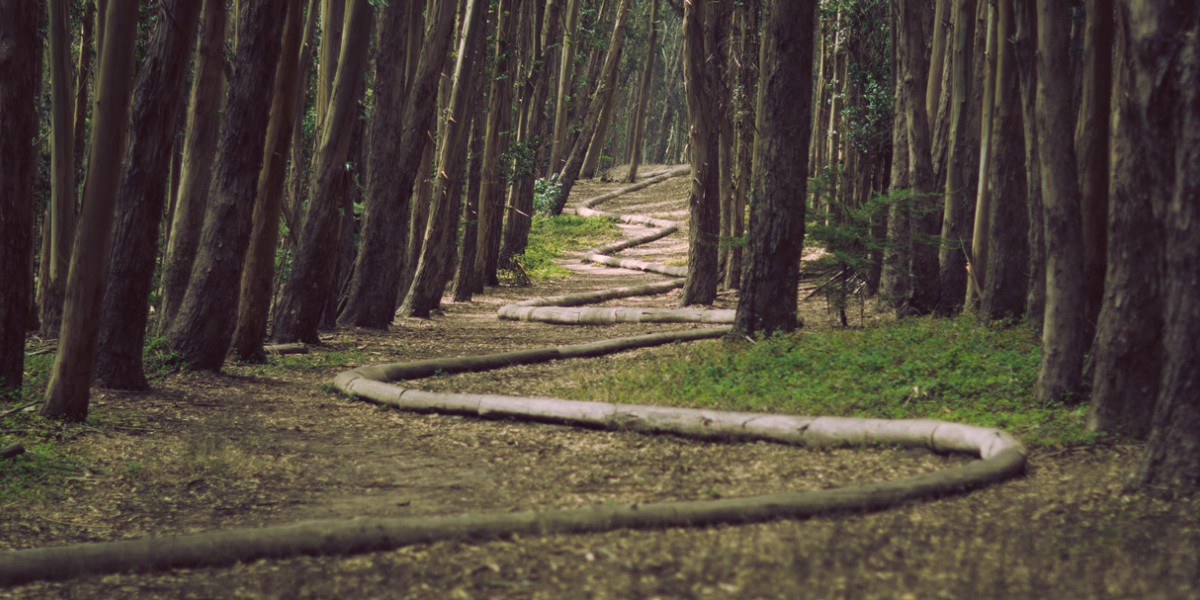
(1001, 456)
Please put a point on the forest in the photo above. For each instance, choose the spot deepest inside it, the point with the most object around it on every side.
(639, 238)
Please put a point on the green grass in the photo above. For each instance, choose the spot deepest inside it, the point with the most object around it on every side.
(955, 370)
(552, 238)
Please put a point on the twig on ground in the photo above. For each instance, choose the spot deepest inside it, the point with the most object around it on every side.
(18, 409)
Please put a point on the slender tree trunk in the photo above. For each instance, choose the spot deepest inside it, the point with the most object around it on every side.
(979, 236)
(1128, 354)
(495, 147)
(747, 111)
(926, 221)
(1171, 464)
(1092, 133)
(62, 171)
(595, 148)
(428, 283)
(769, 288)
(939, 55)
(566, 75)
(199, 152)
(704, 199)
(1064, 340)
(962, 163)
(298, 171)
(18, 128)
(643, 102)
(378, 271)
(68, 391)
(141, 196)
(202, 331)
(254, 299)
(1026, 47)
(574, 163)
(1005, 289)
(312, 280)
(83, 74)
(895, 280)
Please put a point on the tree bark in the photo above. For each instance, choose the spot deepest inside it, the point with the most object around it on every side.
(1007, 282)
(83, 75)
(566, 78)
(69, 388)
(1025, 45)
(925, 220)
(254, 297)
(62, 210)
(18, 128)
(1171, 464)
(895, 280)
(643, 102)
(142, 195)
(979, 234)
(704, 199)
(199, 152)
(1128, 355)
(748, 36)
(312, 280)
(202, 331)
(428, 283)
(769, 287)
(962, 165)
(1064, 340)
(376, 284)
(1092, 134)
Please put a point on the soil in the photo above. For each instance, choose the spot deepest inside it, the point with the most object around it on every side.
(266, 445)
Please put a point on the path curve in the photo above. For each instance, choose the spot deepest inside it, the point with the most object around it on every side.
(1001, 457)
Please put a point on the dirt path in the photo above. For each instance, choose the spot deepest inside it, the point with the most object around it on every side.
(261, 446)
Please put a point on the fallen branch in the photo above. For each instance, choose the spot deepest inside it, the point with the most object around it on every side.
(18, 409)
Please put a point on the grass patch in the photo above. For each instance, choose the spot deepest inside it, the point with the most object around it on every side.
(955, 370)
(552, 238)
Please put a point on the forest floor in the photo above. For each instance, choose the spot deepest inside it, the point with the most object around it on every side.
(272, 444)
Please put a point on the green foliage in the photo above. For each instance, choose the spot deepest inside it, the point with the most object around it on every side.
(546, 192)
(551, 238)
(955, 370)
(159, 359)
(39, 472)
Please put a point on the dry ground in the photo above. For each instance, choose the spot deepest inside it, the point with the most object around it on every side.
(263, 445)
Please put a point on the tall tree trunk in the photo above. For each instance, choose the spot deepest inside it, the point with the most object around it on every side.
(1064, 340)
(769, 288)
(895, 280)
(141, 197)
(938, 56)
(1026, 47)
(1128, 351)
(643, 101)
(574, 162)
(962, 164)
(18, 128)
(495, 148)
(62, 171)
(203, 328)
(376, 284)
(312, 280)
(428, 283)
(199, 152)
(595, 148)
(979, 235)
(83, 74)
(68, 391)
(566, 77)
(1091, 144)
(1005, 288)
(926, 220)
(254, 298)
(704, 199)
(1172, 460)
(746, 128)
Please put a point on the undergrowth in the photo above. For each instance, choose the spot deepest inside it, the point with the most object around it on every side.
(955, 370)
(551, 238)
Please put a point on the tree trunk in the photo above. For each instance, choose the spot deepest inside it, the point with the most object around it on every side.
(926, 220)
(643, 102)
(704, 199)
(1064, 340)
(254, 299)
(566, 77)
(1005, 288)
(83, 74)
(1128, 352)
(18, 128)
(1025, 45)
(495, 148)
(199, 152)
(141, 197)
(1172, 460)
(595, 148)
(394, 163)
(202, 331)
(70, 383)
(1091, 144)
(312, 280)
(938, 56)
(428, 283)
(979, 235)
(962, 164)
(895, 280)
(61, 214)
(746, 129)
(574, 163)
(769, 289)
